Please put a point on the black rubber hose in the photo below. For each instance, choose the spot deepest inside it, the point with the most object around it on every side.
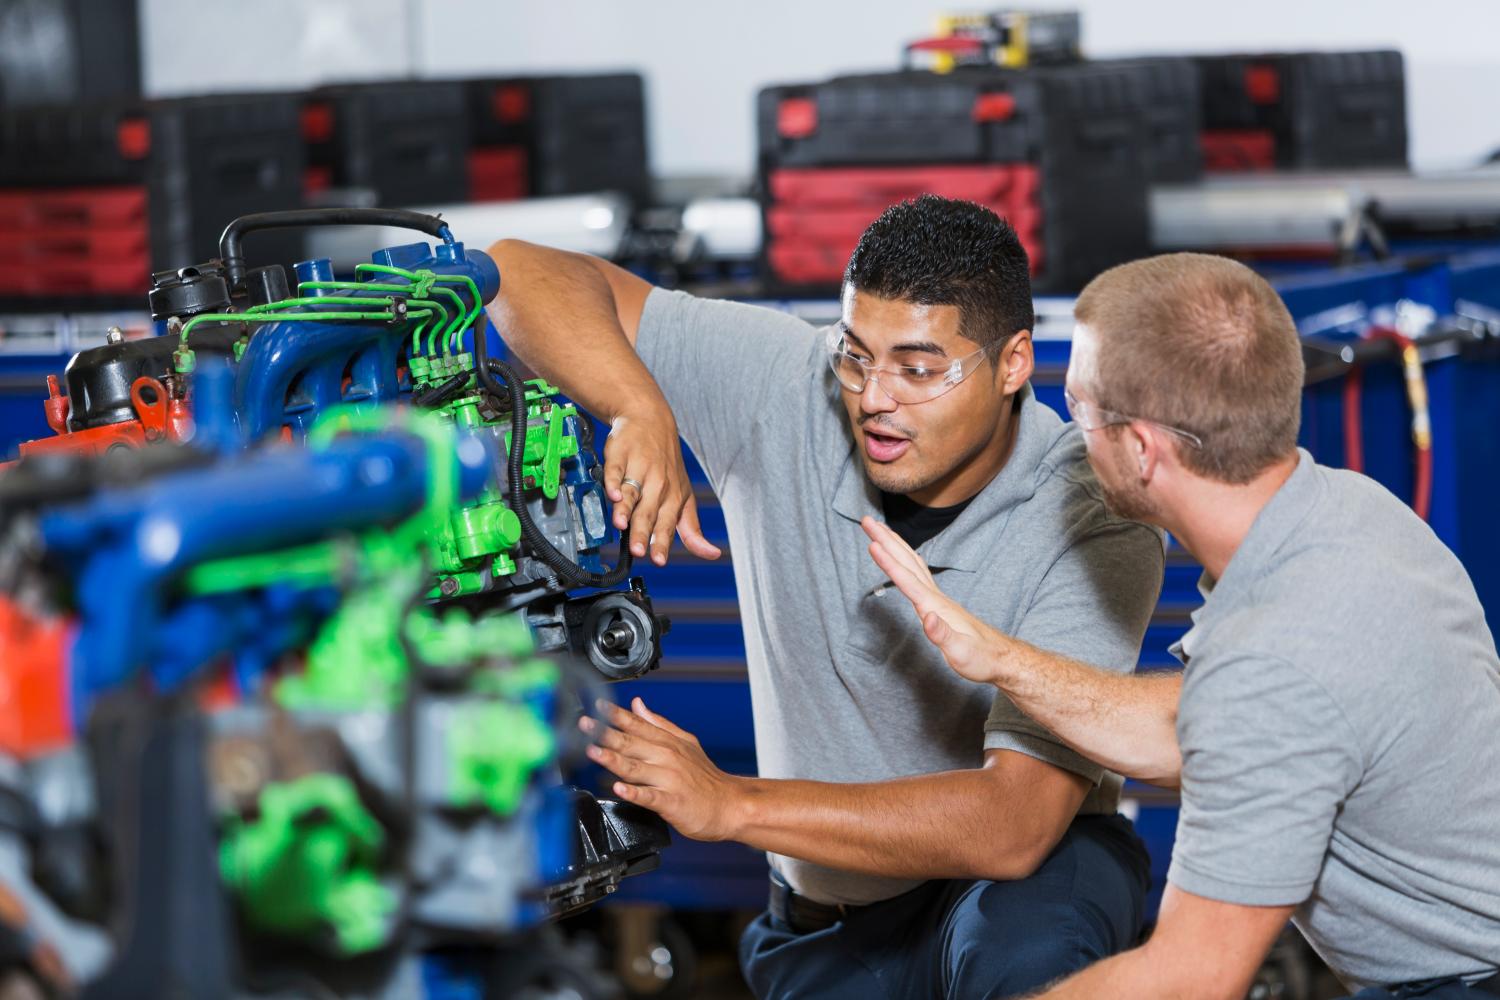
(514, 389)
(234, 233)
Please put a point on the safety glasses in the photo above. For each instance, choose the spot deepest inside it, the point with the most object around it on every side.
(906, 384)
(1092, 418)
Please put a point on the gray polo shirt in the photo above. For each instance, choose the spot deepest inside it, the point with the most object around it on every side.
(844, 685)
(1340, 735)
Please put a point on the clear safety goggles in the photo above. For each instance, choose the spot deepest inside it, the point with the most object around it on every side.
(906, 384)
(1092, 418)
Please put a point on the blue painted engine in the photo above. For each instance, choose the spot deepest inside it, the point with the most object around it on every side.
(290, 616)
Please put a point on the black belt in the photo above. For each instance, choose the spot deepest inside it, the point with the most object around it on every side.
(1490, 986)
(803, 915)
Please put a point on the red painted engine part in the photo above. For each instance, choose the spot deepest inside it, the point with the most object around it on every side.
(159, 417)
(35, 717)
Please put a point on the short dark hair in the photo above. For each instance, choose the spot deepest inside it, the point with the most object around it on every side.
(939, 251)
(1205, 344)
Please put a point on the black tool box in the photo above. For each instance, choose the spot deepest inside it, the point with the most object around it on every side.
(558, 135)
(406, 142)
(1064, 153)
(1304, 110)
(94, 197)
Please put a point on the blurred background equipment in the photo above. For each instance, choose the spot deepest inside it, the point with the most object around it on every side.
(1008, 38)
(146, 365)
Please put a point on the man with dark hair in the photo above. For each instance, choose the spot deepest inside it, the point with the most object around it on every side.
(1334, 731)
(926, 839)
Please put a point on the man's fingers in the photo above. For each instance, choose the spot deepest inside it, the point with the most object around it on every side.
(630, 768)
(643, 518)
(631, 746)
(650, 798)
(623, 497)
(661, 530)
(894, 566)
(628, 722)
(691, 532)
(614, 472)
(922, 594)
(896, 546)
(959, 648)
(937, 630)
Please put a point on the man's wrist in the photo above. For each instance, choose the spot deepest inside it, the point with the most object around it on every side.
(642, 405)
(1005, 656)
(741, 806)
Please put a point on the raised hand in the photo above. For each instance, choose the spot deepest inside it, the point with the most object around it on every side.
(973, 649)
(646, 480)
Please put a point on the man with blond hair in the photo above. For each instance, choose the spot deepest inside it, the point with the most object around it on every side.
(1336, 729)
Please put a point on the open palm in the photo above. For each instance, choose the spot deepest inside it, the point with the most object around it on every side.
(968, 644)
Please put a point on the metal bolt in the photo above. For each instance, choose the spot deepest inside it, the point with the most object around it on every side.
(114, 335)
(617, 637)
(448, 587)
(530, 482)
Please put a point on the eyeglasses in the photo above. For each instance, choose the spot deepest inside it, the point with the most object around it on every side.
(906, 384)
(1092, 418)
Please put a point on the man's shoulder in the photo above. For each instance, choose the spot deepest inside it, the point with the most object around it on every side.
(668, 310)
(1068, 493)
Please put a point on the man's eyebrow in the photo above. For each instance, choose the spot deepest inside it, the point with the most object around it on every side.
(905, 347)
(849, 333)
(919, 347)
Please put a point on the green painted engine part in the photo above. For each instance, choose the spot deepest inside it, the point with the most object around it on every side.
(306, 864)
(482, 535)
(494, 748)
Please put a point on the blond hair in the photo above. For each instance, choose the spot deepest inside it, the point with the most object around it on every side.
(1201, 343)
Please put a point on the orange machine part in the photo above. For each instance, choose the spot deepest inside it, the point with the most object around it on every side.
(158, 417)
(34, 712)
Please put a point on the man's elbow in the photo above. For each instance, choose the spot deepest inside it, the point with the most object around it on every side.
(505, 247)
(1162, 768)
(1014, 861)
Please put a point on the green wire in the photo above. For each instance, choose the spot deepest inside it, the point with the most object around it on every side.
(416, 340)
(453, 328)
(415, 278)
(279, 318)
(336, 300)
(473, 290)
(419, 311)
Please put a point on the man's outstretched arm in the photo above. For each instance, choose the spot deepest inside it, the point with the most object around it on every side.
(1125, 722)
(1202, 949)
(573, 319)
(999, 821)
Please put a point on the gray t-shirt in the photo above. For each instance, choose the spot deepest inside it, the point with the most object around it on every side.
(1340, 735)
(844, 685)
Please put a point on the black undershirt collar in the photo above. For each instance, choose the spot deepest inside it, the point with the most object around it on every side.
(914, 522)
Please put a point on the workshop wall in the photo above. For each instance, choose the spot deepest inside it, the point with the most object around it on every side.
(704, 61)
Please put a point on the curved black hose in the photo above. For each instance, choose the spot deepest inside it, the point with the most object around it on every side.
(234, 233)
(566, 569)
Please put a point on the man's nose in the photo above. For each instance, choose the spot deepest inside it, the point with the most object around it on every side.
(875, 399)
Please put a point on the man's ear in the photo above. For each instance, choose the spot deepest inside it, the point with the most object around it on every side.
(1017, 362)
(1144, 448)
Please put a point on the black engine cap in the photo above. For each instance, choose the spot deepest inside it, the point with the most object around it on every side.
(188, 291)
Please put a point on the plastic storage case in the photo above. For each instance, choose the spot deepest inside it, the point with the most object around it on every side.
(94, 197)
(407, 142)
(558, 135)
(1304, 110)
(1067, 153)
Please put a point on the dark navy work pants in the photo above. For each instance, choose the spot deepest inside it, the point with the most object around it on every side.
(966, 939)
(1444, 989)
